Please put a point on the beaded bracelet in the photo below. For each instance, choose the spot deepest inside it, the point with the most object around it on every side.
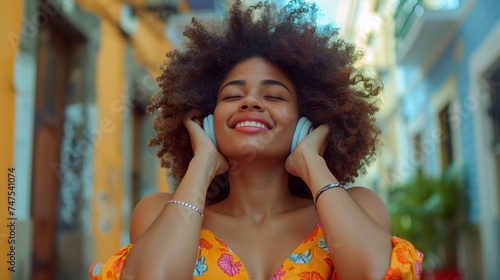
(327, 187)
(187, 205)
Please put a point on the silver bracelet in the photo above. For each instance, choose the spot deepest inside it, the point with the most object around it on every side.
(187, 205)
(325, 188)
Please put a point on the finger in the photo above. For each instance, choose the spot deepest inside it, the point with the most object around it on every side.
(197, 116)
(317, 139)
(197, 113)
(194, 115)
(324, 130)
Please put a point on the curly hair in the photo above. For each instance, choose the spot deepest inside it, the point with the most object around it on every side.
(330, 88)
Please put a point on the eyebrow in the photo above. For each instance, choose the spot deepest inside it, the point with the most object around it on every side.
(263, 82)
(274, 82)
(235, 82)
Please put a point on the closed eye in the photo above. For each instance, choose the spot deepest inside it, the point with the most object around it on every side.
(231, 97)
(274, 97)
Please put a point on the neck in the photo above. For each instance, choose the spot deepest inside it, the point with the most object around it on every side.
(258, 190)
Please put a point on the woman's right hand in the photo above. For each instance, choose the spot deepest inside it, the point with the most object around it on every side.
(202, 144)
(166, 238)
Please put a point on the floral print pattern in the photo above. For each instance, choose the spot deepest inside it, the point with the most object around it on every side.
(118, 265)
(310, 275)
(406, 261)
(280, 273)
(322, 244)
(309, 261)
(205, 244)
(112, 268)
(227, 265)
(304, 258)
(312, 235)
(200, 267)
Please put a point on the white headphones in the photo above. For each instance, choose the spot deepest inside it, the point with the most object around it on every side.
(304, 127)
(208, 126)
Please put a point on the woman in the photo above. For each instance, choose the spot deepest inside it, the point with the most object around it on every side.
(247, 207)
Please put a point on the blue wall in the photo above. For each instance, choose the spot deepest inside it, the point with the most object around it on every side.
(476, 26)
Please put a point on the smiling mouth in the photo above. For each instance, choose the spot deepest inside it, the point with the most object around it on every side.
(251, 123)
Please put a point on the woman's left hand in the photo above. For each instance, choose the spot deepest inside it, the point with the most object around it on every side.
(312, 146)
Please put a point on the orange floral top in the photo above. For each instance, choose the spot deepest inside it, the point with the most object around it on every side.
(310, 260)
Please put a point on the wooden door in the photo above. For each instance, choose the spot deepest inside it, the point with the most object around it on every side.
(52, 64)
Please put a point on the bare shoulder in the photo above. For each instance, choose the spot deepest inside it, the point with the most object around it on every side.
(146, 212)
(372, 204)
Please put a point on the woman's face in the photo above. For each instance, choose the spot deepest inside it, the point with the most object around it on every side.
(256, 111)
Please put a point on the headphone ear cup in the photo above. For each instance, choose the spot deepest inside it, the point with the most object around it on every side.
(304, 127)
(208, 126)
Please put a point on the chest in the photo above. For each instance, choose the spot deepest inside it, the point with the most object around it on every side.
(263, 253)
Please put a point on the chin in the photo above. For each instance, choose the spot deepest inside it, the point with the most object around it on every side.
(249, 153)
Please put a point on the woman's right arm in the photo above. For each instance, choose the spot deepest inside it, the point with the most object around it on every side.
(166, 237)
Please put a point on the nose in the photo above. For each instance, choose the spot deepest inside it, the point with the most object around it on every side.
(251, 103)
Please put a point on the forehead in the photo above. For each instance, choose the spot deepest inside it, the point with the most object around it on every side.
(257, 68)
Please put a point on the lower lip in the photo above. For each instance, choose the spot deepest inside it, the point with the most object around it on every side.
(251, 129)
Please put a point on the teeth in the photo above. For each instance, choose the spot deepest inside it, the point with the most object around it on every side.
(251, 123)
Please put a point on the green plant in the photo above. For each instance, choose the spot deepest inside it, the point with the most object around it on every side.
(429, 211)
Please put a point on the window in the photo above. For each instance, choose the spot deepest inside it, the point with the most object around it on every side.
(494, 110)
(418, 153)
(445, 138)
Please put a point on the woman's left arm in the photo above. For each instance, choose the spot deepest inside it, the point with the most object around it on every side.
(356, 222)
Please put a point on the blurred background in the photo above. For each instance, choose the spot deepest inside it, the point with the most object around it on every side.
(77, 75)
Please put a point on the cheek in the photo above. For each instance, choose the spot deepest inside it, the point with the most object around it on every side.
(219, 121)
(287, 118)
(220, 116)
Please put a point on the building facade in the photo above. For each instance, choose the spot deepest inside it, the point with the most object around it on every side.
(77, 76)
(440, 64)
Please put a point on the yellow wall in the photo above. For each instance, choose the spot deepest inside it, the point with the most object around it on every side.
(108, 170)
(149, 44)
(149, 48)
(184, 6)
(10, 12)
(163, 185)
